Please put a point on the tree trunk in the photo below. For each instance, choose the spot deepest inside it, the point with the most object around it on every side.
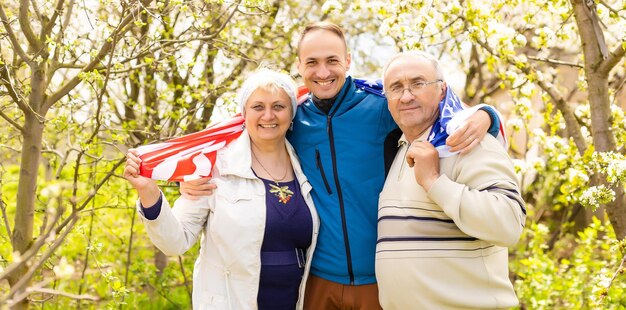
(617, 212)
(604, 141)
(27, 184)
(596, 74)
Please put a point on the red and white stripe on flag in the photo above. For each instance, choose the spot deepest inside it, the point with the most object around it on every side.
(192, 156)
(188, 157)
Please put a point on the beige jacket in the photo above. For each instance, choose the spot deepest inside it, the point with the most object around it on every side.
(447, 248)
(232, 225)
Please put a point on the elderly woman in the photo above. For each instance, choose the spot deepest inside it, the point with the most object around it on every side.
(260, 226)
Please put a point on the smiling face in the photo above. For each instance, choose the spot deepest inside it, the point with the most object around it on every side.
(323, 62)
(268, 115)
(415, 112)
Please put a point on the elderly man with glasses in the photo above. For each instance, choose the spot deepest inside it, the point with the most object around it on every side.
(445, 220)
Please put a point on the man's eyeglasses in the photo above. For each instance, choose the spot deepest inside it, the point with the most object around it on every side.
(396, 91)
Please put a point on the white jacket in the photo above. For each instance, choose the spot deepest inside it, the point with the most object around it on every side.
(226, 273)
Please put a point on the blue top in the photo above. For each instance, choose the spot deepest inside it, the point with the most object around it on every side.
(288, 226)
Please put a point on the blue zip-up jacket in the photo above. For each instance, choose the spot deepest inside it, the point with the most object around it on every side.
(342, 155)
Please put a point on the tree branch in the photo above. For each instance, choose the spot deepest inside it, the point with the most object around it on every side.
(619, 270)
(616, 12)
(32, 251)
(67, 223)
(54, 62)
(555, 61)
(12, 122)
(235, 10)
(44, 257)
(5, 78)
(104, 50)
(185, 280)
(14, 42)
(573, 128)
(4, 212)
(618, 88)
(103, 90)
(154, 48)
(26, 28)
(104, 180)
(36, 9)
(614, 58)
(47, 28)
(61, 293)
(130, 249)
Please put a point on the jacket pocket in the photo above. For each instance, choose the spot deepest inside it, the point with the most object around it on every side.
(320, 167)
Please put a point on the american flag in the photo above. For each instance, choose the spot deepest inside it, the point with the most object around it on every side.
(192, 156)
(188, 157)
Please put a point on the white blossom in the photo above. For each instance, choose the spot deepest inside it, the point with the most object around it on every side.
(594, 196)
(527, 90)
(63, 270)
(582, 111)
(515, 123)
(331, 5)
(537, 163)
(520, 165)
(520, 40)
(51, 191)
(616, 170)
(575, 174)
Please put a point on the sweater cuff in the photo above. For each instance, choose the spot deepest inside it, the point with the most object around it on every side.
(495, 120)
(153, 212)
(441, 190)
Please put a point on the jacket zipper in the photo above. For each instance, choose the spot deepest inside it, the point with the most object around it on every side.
(344, 224)
(318, 159)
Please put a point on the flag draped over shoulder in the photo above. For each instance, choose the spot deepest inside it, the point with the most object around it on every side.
(448, 108)
(452, 114)
(192, 156)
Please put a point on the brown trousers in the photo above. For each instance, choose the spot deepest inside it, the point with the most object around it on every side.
(322, 294)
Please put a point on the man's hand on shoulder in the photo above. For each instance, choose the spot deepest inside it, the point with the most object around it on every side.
(197, 188)
(469, 135)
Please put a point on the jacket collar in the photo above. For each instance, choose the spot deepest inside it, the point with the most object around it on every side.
(338, 101)
(236, 159)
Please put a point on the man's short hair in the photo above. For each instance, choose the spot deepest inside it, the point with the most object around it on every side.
(323, 25)
(417, 54)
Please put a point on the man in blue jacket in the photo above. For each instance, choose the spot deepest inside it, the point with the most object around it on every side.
(339, 134)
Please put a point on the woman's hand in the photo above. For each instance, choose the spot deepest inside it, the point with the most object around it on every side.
(147, 188)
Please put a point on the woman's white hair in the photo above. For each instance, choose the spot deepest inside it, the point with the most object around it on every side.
(271, 81)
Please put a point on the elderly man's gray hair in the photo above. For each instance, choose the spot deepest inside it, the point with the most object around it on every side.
(417, 54)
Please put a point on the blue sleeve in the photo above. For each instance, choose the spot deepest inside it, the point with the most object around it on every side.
(495, 120)
(153, 212)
